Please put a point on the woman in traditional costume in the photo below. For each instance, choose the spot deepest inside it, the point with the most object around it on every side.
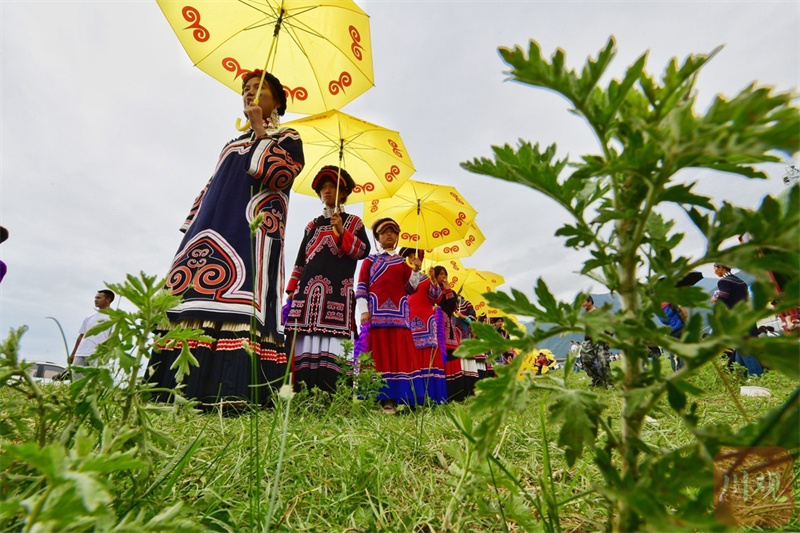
(424, 330)
(462, 317)
(457, 386)
(321, 285)
(229, 266)
(385, 280)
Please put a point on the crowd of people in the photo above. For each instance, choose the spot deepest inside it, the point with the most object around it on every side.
(229, 272)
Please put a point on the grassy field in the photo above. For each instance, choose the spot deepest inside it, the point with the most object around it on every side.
(338, 464)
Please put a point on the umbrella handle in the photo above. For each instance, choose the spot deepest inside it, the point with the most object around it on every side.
(240, 127)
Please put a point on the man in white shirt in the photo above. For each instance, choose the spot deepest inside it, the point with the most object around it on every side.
(85, 346)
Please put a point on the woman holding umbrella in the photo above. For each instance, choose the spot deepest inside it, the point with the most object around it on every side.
(321, 284)
(455, 378)
(425, 331)
(229, 266)
(384, 282)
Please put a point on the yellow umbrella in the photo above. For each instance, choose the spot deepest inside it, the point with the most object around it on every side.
(472, 284)
(455, 268)
(320, 49)
(492, 312)
(375, 157)
(463, 247)
(479, 281)
(532, 364)
(429, 215)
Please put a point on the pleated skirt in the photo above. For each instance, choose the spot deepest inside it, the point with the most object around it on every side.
(231, 368)
(317, 361)
(431, 384)
(395, 357)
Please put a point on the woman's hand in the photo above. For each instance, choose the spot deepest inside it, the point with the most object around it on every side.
(255, 115)
(365, 317)
(416, 263)
(336, 222)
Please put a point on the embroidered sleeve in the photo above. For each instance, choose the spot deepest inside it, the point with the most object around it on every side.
(413, 279)
(195, 207)
(354, 242)
(362, 289)
(300, 262)
(276, 162)
(434, 293)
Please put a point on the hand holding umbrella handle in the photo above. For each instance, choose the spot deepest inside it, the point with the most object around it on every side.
(247, 125)
(336, 223)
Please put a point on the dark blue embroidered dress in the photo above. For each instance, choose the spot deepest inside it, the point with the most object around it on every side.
(228, 277)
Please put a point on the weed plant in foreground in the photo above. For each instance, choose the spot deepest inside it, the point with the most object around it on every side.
(348, 465)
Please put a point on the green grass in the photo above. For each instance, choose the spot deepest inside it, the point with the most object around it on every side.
(349, 467)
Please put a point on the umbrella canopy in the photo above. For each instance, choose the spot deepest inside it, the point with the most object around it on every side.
(375, 157)
(536, 366)
(463, 247)
(320, 49)
(472, 284)
(429, 215)
(454, 267)
(690, 279)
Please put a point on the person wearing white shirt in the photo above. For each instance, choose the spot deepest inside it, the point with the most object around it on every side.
(85, 346)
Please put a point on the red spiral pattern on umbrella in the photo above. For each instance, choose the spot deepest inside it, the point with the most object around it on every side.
(374, 207)
(356, 48)
(395, 148)
(200, 33)
(456, 198)
(394, 171)
(231, 65)
(338, 85)
(461, 218)
(443, 233)
(454, 264)
(298, 93)
(470, 240)
(367, 187)
(411, 237)
(451, 249)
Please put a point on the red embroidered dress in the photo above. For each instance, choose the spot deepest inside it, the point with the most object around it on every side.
(457, 382)
(425, 331)
(384, 282)
(228, 277)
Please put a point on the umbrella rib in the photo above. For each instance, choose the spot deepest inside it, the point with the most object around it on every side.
(251, 26)
(299, 25)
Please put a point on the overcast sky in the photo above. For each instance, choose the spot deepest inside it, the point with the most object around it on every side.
(109, 132)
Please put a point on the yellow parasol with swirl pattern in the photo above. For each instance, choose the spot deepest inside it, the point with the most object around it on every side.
(463, 247)
(320, 49)
(429, 215)
(375, 157)
(472, 284)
